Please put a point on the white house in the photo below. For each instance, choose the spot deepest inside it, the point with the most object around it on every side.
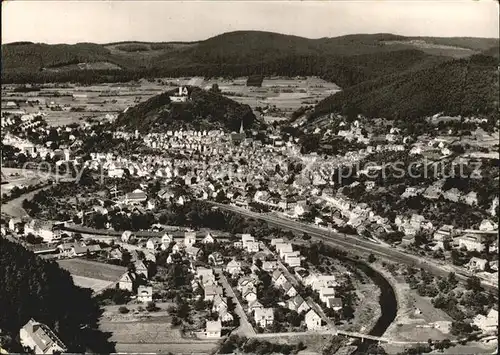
(325, 293)
(213, 329)
(145, 294)
(488, 323)
(249, 293)
(233, 267)
(289, 290)
(252, 247)
(477, 264)
(153, 243)
(298, 304)
(208, 239)
(42, 229)
(487, 225)
(126, 282)
(225, 316)
(219, 304)
(470, 242)
(40, 338)
(264, 317)
(189, 238)
(313, 320)
(279, 278)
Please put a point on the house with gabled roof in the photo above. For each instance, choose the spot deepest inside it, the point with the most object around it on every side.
(153, 243)
(298, 304)
(134, 197)
(40, 338)
(334, 303)
(269, 265)
(233, 267)
(225, 316)
(249, 293)
(252, 306)
(313, 320)
(219, 303)
(205, 275)
(208, 239)
(279, 278)
(244, 281)
(141, 269)
(193, 253)
(288, 289)
(211, 291)
(216, 259)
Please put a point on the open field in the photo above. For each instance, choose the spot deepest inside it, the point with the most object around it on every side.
(416, 314)
(95, 284)
(95, 101)
(92, 269)
(20, 178)
(155, 335)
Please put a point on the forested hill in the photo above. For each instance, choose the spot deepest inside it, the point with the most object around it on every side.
(204, 110)
(466, 86)
(39, 289)
(345, 60)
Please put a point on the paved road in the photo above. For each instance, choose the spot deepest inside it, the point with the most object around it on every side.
(353, 243)
(245, 327)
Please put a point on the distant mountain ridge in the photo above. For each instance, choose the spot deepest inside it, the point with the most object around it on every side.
(238, 53)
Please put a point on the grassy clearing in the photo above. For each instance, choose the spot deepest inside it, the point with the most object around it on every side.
(92, 269)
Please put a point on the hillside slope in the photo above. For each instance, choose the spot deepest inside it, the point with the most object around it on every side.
(204, 110)
(239, 53)
(465, 86)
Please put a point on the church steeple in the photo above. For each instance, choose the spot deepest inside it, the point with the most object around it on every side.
(241, 127)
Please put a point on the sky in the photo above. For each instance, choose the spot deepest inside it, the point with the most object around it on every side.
(102, 21)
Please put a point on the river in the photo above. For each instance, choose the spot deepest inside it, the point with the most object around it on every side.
(387, 301)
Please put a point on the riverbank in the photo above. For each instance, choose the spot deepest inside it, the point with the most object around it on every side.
(416, 319)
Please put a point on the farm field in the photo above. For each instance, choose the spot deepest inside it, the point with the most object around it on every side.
(155, 335)
(96, 101)
(92, 269)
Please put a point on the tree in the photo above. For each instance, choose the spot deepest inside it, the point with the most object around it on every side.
(474, 284)
(371, 258)
(126, 257)
(151, 307)
(215, 88)
(443, 344)
(123, 310)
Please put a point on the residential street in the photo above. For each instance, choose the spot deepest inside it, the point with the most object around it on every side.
(245, 327)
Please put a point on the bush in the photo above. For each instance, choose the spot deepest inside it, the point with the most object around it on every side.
(151, 307)
(123, 310)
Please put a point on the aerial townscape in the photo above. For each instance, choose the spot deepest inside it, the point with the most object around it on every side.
(250, 193)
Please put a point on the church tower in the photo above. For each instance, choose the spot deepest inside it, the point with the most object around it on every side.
(241, 127)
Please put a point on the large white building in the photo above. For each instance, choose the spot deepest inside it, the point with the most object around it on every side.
(40, 338)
